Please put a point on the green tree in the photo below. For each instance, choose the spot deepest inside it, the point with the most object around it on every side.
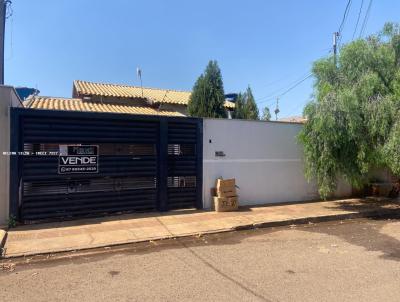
(250, 106)
(353, 121)
(208, 98)
(266, 114)
(239, 112)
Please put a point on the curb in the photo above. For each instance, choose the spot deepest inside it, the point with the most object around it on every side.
(317, 219)
(258, 225)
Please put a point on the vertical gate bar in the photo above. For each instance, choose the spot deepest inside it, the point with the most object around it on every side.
(162, 166)
(85, 202)
(199, 164)
(15, 137)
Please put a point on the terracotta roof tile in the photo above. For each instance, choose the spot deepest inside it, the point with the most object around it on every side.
(75, 104)
(84, 88)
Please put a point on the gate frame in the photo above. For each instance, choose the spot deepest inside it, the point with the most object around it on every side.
(16, 145)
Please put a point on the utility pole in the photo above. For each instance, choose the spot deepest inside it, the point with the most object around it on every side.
(277, 109)
(335, 39)
(3, 9)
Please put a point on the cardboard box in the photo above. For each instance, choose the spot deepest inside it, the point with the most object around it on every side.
(227, 193)
(225, 187)
(225, 183)
(226, 204)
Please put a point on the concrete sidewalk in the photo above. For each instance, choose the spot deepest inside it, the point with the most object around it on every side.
(108, 231)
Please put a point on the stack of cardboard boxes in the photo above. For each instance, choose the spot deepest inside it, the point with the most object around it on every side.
(225, 195)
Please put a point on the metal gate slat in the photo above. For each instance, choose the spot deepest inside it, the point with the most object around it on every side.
(74, 214)
(46, 194)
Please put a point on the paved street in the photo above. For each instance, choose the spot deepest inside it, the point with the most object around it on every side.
(355, 260)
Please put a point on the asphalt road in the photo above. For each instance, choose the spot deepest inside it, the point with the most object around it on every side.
(356, 260)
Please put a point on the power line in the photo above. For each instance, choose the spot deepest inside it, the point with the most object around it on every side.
(344, 18)
(276, 81)
(366, 17)
(337, 36)
(288, 89)
(297, 83)
(294, 86)
(276, 91)
(269, 104)
(346, 11)
(325, 51)
(358, 19)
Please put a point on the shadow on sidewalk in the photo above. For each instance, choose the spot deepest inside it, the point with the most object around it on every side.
(378, 209)
(367, 234)
(362, 205)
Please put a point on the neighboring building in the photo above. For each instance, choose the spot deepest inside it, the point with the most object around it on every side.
(293, 119)
(25, 92)
(102, 97)
(80, 104)
(231, 97)
(9, 98)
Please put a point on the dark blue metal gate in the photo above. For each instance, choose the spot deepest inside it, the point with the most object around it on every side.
(145, 163)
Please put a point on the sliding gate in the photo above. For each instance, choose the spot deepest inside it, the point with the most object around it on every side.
(74, 164)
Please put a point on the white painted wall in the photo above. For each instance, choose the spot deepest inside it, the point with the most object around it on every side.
(8, 98)
(264, 157)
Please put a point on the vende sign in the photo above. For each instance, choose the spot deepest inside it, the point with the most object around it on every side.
(78, 159)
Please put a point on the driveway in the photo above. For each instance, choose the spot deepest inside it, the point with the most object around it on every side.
(354, 260)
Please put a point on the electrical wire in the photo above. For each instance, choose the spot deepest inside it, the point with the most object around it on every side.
(366, 17)
(345, 14)
(341, 27)
(340, 31)
(297, 83)
(358, 19)
(344, 19)
(276, 81)
(277, 91)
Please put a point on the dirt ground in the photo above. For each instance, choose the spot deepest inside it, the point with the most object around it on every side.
(354, 260)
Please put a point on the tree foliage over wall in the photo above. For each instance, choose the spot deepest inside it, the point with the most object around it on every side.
(208, 98)
(353, 121)
(266, 116)
(250, 108)
(246, 106)
(240, 112)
